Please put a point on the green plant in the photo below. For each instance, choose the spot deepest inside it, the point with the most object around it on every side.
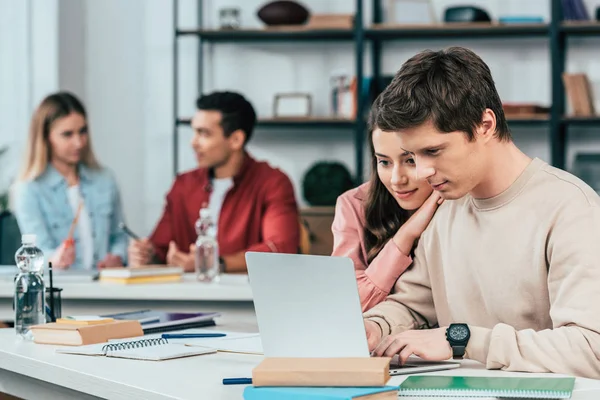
(325, 181)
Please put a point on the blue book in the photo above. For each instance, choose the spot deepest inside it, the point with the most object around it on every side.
(321, 393)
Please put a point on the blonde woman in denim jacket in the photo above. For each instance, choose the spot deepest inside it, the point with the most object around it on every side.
(61, 178)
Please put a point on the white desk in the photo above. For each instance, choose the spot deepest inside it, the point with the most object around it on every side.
(34, 371)
(232, 296)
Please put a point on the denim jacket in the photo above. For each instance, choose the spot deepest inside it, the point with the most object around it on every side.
(42, 208)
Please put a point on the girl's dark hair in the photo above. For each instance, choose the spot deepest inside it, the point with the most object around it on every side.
(383, 215)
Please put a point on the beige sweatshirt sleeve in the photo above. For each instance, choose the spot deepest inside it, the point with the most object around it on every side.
(410, 306)
(573, 345)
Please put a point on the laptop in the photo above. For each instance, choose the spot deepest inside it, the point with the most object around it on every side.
(308, 306)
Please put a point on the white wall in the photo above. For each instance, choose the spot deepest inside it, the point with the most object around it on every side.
(14, 85)
(29, 65)
(72, 44)
(125, 50)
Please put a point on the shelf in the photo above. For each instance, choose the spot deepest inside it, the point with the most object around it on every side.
(453, 30)
(581, 28)
(272, 34)
(315, 122)
(317, 210)
(595, 120)
(527, 119)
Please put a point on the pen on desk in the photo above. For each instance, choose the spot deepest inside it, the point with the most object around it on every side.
(52, 314)
(191, 335)
(49, 317)
(128, 231)
(237, 381)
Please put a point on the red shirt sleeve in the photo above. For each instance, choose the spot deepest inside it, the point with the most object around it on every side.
(163, 232)
(280, 222)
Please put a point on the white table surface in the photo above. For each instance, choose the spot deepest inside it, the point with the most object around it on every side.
(29, 370)
(232, 295)
(231, 288)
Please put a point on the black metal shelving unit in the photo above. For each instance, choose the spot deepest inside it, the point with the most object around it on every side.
(376, 33)
(355, 36)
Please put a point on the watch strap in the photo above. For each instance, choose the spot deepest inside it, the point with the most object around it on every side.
(458, 352)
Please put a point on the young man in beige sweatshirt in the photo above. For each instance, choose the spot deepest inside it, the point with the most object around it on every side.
(508, 271)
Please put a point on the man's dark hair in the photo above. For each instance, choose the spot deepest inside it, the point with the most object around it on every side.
(451, 88)
(236, 111)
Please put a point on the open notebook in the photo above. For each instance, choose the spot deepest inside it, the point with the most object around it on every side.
(156, 349)
(234, 342)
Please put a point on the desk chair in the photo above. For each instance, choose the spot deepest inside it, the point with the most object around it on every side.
(10, 238)
(305, 238)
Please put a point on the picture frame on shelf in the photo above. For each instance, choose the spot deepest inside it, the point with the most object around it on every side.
(292, 105)
(410, 12)
(229, 18)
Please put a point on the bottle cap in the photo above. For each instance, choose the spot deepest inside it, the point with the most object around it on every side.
(28, 239)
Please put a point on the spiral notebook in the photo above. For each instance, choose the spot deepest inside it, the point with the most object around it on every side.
(477, 386)
(156, 349)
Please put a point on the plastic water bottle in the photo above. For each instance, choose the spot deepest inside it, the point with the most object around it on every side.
(207, 249)
(29, 287)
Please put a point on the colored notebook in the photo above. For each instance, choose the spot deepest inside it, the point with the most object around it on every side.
(476, 386)
(321, 393)
(161, 321)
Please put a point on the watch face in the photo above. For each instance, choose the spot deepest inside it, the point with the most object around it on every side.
(459, 333)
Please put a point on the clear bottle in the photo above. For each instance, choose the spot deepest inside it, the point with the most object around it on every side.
(207, 249)
(29, 287)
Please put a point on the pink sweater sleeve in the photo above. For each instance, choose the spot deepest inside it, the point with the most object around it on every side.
(376, 280)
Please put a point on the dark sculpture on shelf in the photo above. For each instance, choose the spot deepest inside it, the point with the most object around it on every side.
(466, 14)
(283, 12)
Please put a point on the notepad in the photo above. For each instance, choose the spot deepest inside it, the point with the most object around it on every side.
(475, 386)
(320, 393)
(145, 349)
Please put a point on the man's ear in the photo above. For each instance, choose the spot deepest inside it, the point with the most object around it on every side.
(237, 139)
(487, 128)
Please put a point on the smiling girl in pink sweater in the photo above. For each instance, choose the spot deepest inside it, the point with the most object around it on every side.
(378, 223)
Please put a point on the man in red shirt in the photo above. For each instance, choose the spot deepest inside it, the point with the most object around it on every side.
(253, 204)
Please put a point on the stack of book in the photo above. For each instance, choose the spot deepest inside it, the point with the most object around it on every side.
(84, 330)
(579, 94)
(321, 378)
(150, 274)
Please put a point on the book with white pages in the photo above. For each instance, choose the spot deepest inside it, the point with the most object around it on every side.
(155, 349)
(141, 272)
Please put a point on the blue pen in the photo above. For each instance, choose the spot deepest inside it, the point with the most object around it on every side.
(237, 381)
(49, 315)
(191, 335)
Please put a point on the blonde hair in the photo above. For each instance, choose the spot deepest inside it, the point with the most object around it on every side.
(38, 151)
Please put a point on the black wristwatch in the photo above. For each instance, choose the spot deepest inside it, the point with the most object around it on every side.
(458, 336)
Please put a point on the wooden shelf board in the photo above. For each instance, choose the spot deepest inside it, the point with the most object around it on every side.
(471, 30)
